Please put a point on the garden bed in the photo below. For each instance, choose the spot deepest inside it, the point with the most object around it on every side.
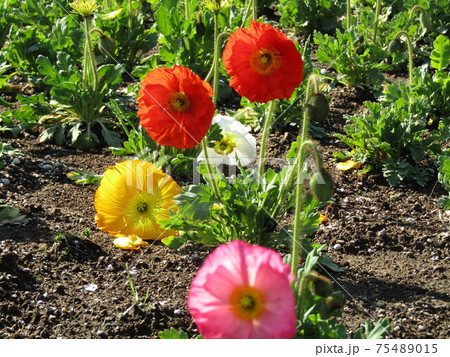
(394, 252)
(387, 227)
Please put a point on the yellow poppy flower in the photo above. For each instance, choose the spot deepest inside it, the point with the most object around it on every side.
(133, 197)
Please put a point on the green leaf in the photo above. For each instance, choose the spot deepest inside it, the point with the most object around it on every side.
(81, 177)
(112, 138)
(172, 334)
(162, 18)
(11, 215)
(395, 171)
(440, 56)
(45, 67)
(381, 329)
(174, 242)
(195, 202)
(7, 149)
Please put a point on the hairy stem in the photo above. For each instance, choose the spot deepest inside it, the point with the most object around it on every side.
(90, 78)
(254, 9)
(297, 239)
(410, 55)
(216, 58)
(377, 14)
(265, 133)
(348, 15)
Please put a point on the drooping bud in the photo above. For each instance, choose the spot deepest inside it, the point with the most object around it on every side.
(199, 25)
(335, 301)
(396, 45)
(425, 22)
(321, 185)
(321, 285)
(317, 108)
(106, 45)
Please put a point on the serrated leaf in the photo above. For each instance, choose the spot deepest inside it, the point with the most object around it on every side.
(11, 215)
(440, 56)
(81, 177)
(195, 202)
(172, 334)
(174, 242)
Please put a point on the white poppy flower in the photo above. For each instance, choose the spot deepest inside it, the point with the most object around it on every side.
(236, 140)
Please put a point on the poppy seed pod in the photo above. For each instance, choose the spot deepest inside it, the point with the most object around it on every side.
(321, 185)
(317, 108)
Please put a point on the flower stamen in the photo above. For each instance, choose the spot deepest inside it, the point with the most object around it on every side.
(225, 146)
(179, 102)
(246, 303)
(265, 61)
(142, 207)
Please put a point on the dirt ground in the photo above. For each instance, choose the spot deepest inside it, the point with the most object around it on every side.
(62, 277)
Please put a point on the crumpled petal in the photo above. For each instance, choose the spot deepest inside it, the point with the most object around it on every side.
(348, 165)
(131, 242)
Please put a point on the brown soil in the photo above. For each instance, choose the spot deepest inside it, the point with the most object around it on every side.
(62, 277)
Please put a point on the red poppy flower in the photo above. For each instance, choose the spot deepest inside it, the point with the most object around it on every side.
(263, 63)
(175, 107)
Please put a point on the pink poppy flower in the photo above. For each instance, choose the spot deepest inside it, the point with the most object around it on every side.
(243, 291)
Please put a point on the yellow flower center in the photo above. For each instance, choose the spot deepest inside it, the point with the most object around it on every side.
(142, 209)
(179, 102)
(225, 146)
(247, 303)
(265, 61)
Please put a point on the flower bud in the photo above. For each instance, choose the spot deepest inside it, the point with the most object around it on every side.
(321, 185)
(199, 25)
(106, 45)
(335, 301)
(216, 5)
(396, 46)
(317, 107)
(321, 285)
(425, 22)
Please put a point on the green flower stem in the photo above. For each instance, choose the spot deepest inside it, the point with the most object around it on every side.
(211, 176)
(410, 55)
(216, 58)
(265, 133)
(348, 15)
(247, 13)
(300, 295)
(90, 78)
(130, 16)
(411, 14)
(186, 10)
(297, 239)
(308, 144)
(254, 9)
(377, 14)
(311, 88)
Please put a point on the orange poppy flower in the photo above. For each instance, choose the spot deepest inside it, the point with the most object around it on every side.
(263, 63)
(175, 107)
